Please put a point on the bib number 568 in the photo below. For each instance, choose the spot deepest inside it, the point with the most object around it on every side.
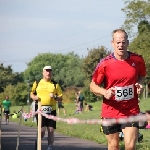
(124, 93)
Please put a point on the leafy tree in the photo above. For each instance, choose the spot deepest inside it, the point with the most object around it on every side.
(136, 11)
(8, 77)
(143, 27)
(92, 59)
(141, 44)
(66, 68)
(17, 93)
(20, 94)
(89, 63)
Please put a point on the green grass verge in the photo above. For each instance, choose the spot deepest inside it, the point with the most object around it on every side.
(89, 131)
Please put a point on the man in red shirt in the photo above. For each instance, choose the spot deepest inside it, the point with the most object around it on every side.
(123, 74)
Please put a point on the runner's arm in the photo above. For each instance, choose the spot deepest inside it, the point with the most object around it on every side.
(107, 93)
(99, 91)
(33, 96)
(33, 91)
(139, 84)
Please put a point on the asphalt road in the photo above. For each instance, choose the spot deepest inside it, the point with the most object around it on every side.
(27, 138)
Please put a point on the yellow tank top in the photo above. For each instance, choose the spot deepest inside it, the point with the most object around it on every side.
(44, 89)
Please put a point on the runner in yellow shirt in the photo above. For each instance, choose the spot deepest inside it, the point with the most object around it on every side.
(48, 92)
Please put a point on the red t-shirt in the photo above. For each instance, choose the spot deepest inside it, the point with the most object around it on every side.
(122, 75)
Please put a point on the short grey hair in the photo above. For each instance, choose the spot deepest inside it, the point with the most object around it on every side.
(119, 30)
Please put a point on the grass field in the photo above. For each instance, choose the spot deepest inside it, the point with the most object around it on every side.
(90, 131)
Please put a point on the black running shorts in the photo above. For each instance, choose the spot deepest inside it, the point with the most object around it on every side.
(118, 127)
(48, 122)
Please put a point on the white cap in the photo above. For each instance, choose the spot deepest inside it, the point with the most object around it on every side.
(47, 67)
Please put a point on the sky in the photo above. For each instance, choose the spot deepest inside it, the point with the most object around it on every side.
(32, 27)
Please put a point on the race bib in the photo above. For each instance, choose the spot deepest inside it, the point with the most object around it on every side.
(124, 93)
(46, 109)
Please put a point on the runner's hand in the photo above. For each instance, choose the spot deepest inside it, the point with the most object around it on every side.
(109, 93)
(140, 88)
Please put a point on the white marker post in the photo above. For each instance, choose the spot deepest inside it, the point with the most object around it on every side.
(20, 122)
(39, 127)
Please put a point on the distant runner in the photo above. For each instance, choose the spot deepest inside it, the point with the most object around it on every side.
(6, 105)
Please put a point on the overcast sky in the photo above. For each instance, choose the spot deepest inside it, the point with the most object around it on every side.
(30, 27)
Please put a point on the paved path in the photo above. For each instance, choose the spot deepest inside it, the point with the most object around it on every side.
(28, 136)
